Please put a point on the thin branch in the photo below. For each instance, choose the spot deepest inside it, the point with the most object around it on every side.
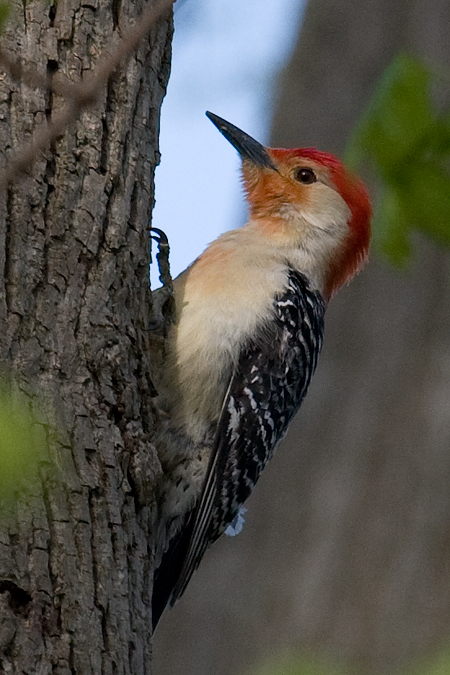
(46, 135)
(81, 95)
(21, 74)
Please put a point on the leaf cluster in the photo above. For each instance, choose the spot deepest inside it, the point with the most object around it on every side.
(406, 139)
(301, 665)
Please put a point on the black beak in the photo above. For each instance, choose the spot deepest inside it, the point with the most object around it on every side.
(246, 146)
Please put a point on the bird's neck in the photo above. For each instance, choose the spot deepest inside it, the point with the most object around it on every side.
(304, 246)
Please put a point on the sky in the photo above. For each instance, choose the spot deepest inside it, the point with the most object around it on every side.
(226, 55)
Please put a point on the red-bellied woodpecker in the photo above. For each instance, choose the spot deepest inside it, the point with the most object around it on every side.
(245, 340)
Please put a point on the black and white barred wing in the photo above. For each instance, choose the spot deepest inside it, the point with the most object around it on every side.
(265, 392)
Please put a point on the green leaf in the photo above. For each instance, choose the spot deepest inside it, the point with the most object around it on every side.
(399, 116)
(300, 665)
(21, 444)
(435, 665)
(440, 666)
(425, 197)
(391, 227)
(407, 142)
(5, 8)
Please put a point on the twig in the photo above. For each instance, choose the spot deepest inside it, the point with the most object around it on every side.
(24, 159)
(81, 95)
(21, 74)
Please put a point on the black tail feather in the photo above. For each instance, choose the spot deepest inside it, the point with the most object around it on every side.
(167, 574)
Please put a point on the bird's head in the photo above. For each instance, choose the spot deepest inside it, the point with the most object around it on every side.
(307, 199)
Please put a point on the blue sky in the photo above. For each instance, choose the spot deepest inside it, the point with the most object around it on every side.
(226, 55)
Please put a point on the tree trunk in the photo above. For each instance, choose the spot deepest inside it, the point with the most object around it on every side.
(75, 550)
(346, 545)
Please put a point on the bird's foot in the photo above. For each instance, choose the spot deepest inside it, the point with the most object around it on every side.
(163, 299)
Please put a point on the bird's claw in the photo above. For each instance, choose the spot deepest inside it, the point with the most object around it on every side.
(162, 256)
(163, 302)
(160, 236)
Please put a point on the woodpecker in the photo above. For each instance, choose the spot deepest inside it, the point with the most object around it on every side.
(245, 340)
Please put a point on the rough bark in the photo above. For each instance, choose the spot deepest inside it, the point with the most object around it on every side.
(75, 550)
(346, 546)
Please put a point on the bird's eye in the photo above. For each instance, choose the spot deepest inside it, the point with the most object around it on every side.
(305, 175)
